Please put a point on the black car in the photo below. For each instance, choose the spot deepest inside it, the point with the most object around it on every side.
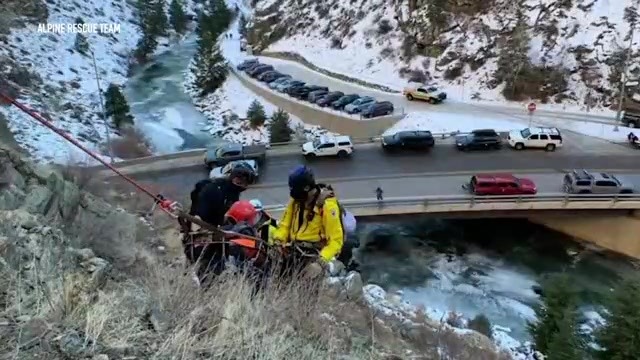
(317, 87)
(289, 90)
(410, 140)
(300, 92)
(482, 139)
(266, 73)
(256, 71)
(378, 109)
(344, 101)
(251, 66)
(270, 76)
(290, 85)
(246, 64)
(329, 98)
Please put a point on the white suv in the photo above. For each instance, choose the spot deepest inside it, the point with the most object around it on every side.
(328, 146)
(548, 138)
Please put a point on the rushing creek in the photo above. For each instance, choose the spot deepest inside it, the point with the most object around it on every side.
(468, 266)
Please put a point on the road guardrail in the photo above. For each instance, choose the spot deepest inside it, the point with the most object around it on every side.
(273, 146)
(461, 203)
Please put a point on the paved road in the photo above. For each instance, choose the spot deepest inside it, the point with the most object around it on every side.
(373, 163)
(550, 183)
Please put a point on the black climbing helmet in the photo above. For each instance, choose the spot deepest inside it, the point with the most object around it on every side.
(244, 171)
(302, 176)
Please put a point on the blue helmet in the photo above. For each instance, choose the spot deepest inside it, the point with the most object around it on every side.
(302, 176)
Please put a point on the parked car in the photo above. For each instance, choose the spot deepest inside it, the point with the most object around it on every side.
(222, 155)
(482, 139)
(266, 73)
(280, 87)
(329, 98)
(288, 84)
(344, 101)
(252, 66)
(500, 184)
(247, 63)
(279, 81)
(548, 138)
(585, 182)
(318, 87)
(409, 140)
(269, 76)
(291, 88)
(256, 71)
(358, 105)
(430, 94)
(378, 109)
(224, 171)
(340, 146)
(315, 95)
(300, 92)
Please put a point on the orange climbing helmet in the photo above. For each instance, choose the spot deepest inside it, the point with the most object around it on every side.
(243, 211)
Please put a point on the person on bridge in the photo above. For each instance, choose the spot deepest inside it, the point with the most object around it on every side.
(312, 222)
(379, 193)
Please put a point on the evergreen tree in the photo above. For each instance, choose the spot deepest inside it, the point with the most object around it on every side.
(116, 107)
(279, 129)
(242, 25)
(81, 44)
(177, 17)
(620, 336)
(513, 60)
(565, 343)
(256, 114)
(559, 310)
(220, 17)
(210, 69)
(146, 46)
(157, 23)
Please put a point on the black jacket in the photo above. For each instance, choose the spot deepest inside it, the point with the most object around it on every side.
(212, 198)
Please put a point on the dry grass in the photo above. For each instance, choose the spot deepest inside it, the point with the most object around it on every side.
(130, 145)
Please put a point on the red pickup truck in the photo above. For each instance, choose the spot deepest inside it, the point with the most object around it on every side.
(500, 184)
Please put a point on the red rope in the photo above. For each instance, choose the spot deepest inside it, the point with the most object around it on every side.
(170, 207)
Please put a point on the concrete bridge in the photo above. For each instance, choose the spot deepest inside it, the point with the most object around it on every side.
(611, 222)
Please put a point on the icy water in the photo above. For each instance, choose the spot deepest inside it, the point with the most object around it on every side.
(482, 266)
(162, 109)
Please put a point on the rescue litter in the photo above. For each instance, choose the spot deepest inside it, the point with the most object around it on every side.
(87, 28)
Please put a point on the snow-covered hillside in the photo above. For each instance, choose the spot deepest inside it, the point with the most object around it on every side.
(575, 48)
(58, 81)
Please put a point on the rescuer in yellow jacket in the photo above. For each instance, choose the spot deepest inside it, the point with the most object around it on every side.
(312, 218)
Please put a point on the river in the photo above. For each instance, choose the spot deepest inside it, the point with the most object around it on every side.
(484, 266)
(470, 266)
(163, 111)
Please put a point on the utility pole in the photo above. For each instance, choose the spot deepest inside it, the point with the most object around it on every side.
(104, 113)
(623, 83)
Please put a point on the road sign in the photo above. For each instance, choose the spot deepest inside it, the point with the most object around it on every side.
(531, 107)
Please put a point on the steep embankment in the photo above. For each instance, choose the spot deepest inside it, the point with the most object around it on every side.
(571, 51)
(53, 72)
(80, 278)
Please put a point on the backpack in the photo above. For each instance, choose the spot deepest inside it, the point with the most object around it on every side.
(347, 219)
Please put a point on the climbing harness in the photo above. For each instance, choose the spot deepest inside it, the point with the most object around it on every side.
(171, 208)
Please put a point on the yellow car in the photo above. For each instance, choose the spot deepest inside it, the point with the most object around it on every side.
(430, 94)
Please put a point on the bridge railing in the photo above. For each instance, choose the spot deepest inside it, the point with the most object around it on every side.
(462, 202)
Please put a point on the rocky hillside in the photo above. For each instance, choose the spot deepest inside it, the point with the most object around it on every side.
(83, 279)
(53, 72)
(553, 50)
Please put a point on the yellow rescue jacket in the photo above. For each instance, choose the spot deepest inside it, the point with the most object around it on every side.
(320, 226)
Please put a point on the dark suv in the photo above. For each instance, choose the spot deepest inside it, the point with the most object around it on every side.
(410, 140)
(483, 139)
(344, 101)
(584, 182)
(378, 109)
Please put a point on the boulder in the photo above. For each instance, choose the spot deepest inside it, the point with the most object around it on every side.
(354, 285)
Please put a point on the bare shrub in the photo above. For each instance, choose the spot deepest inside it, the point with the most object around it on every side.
(387, 52)
(336, 43)
(481, 324)
(418, 76)
(130, 145)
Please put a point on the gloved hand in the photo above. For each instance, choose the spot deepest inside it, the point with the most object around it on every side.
(315, 269)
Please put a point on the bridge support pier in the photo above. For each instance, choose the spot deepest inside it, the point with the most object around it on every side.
(620, 234)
